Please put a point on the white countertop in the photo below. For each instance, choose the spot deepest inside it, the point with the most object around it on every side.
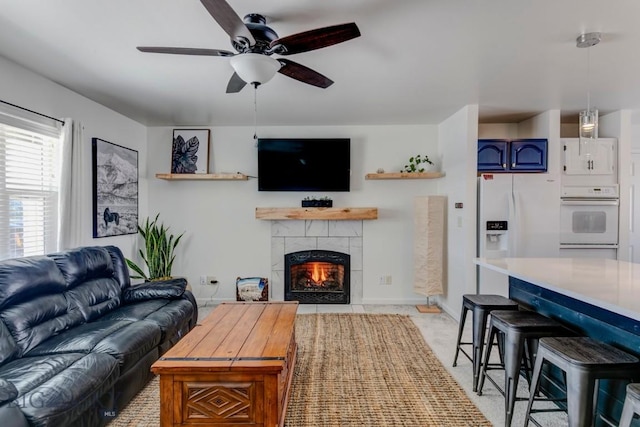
(610, 284)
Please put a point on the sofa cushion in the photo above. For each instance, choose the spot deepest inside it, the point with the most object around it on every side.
(55, 390)
(8, 347)
(169, 289)
(131, 343)
(36, 320)
(137, 311)
(125, 341)
(81, 339)
(172, 318)
(170, 315)
(21, 279)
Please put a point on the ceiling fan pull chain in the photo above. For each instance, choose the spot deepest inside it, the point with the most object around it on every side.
(255, 110)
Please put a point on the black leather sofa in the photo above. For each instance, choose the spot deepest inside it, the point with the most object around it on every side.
(77, 340)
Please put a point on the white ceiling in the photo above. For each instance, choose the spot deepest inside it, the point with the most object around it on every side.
(417, 61)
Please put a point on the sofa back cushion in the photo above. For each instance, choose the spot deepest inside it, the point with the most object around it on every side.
(32, 304)
(120, 268)
(23, 278)
(91, 286)
(36, 320)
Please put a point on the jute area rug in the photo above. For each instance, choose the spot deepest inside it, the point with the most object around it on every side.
(355, 370)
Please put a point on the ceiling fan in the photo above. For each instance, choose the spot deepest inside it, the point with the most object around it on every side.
(255, 42)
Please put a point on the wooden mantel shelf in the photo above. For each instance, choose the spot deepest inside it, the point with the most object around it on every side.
(404, 175)
(202, 176)
(317, 213)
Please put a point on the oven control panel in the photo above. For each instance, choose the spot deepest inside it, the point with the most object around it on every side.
(590, 192)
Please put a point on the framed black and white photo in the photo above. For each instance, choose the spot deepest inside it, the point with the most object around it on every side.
(115, 189)
(190, 151)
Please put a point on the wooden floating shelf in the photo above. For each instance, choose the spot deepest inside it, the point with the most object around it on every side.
(202, 176)
(317, 213)
(404, 175)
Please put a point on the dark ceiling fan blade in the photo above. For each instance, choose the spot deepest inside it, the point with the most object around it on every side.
(315, 39)
(303, 74)
(185, 51)
(229, 20)
(235, 84)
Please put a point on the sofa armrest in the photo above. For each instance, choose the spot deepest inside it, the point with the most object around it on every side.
(167, 289)
(8, 391)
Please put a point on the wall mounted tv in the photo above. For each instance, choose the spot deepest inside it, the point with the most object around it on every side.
(299, 164)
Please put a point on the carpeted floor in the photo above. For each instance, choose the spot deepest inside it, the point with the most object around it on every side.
(356, 370)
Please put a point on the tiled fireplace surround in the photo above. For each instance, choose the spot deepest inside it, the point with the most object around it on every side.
(299, 235)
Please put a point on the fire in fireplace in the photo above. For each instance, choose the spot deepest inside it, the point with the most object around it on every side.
(317, 277)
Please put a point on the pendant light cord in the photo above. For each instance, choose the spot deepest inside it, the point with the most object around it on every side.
(588, 79)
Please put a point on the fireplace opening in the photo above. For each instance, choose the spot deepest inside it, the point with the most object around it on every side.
(317, 277)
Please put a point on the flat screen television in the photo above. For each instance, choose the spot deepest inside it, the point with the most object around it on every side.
(299, 164)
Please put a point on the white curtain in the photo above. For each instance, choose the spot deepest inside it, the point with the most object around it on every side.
(69, 227)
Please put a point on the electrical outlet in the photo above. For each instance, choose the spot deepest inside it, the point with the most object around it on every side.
(386, 280)
(212, 281)
(203, 280)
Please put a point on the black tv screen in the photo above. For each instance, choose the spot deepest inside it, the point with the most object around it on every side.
(304, 164)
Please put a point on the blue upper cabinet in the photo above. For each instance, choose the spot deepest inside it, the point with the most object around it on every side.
(492, 155)
(522, 155)
(529, 155)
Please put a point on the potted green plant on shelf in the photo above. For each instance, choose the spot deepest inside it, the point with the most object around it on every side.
(416, 164)
(159, 251)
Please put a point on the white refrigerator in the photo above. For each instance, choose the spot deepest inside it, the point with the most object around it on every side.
(518, 216)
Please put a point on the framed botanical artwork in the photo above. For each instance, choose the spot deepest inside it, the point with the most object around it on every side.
(190, 151)
(115, 189)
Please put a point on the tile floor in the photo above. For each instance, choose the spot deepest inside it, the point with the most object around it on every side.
(440, 333)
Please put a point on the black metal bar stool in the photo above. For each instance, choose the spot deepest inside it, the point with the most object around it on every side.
(585, 361)
(481, 306)
(521, 330)
(631, 405)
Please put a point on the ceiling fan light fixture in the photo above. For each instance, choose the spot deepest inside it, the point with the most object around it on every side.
(255, 68)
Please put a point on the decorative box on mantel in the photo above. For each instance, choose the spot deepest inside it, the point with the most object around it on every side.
(317, 203)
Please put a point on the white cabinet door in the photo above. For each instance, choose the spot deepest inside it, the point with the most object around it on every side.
(575, 161)
(601, 155)
(595, 157)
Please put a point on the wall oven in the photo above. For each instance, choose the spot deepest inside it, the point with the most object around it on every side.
(589, 217)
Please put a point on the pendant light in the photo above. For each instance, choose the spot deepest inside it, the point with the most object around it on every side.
(589, 117)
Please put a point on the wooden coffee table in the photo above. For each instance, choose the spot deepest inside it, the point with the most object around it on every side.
(234, 368)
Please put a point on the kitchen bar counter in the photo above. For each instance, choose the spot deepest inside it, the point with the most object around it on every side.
(594, 297)
(609, 284)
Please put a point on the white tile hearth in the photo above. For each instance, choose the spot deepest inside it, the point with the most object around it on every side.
(293, 236)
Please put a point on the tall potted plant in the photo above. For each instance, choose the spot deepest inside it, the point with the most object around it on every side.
(158, 254)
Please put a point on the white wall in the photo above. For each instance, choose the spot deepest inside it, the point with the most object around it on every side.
(26, 89)
(618, 125)
(458, 137)
(223, 238)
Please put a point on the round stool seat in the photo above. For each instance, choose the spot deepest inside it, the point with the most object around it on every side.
(585, 352)
(489, 302)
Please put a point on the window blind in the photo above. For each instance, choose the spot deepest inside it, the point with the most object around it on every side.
(29, 186)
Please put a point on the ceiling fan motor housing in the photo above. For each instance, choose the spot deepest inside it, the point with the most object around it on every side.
(263, 35)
